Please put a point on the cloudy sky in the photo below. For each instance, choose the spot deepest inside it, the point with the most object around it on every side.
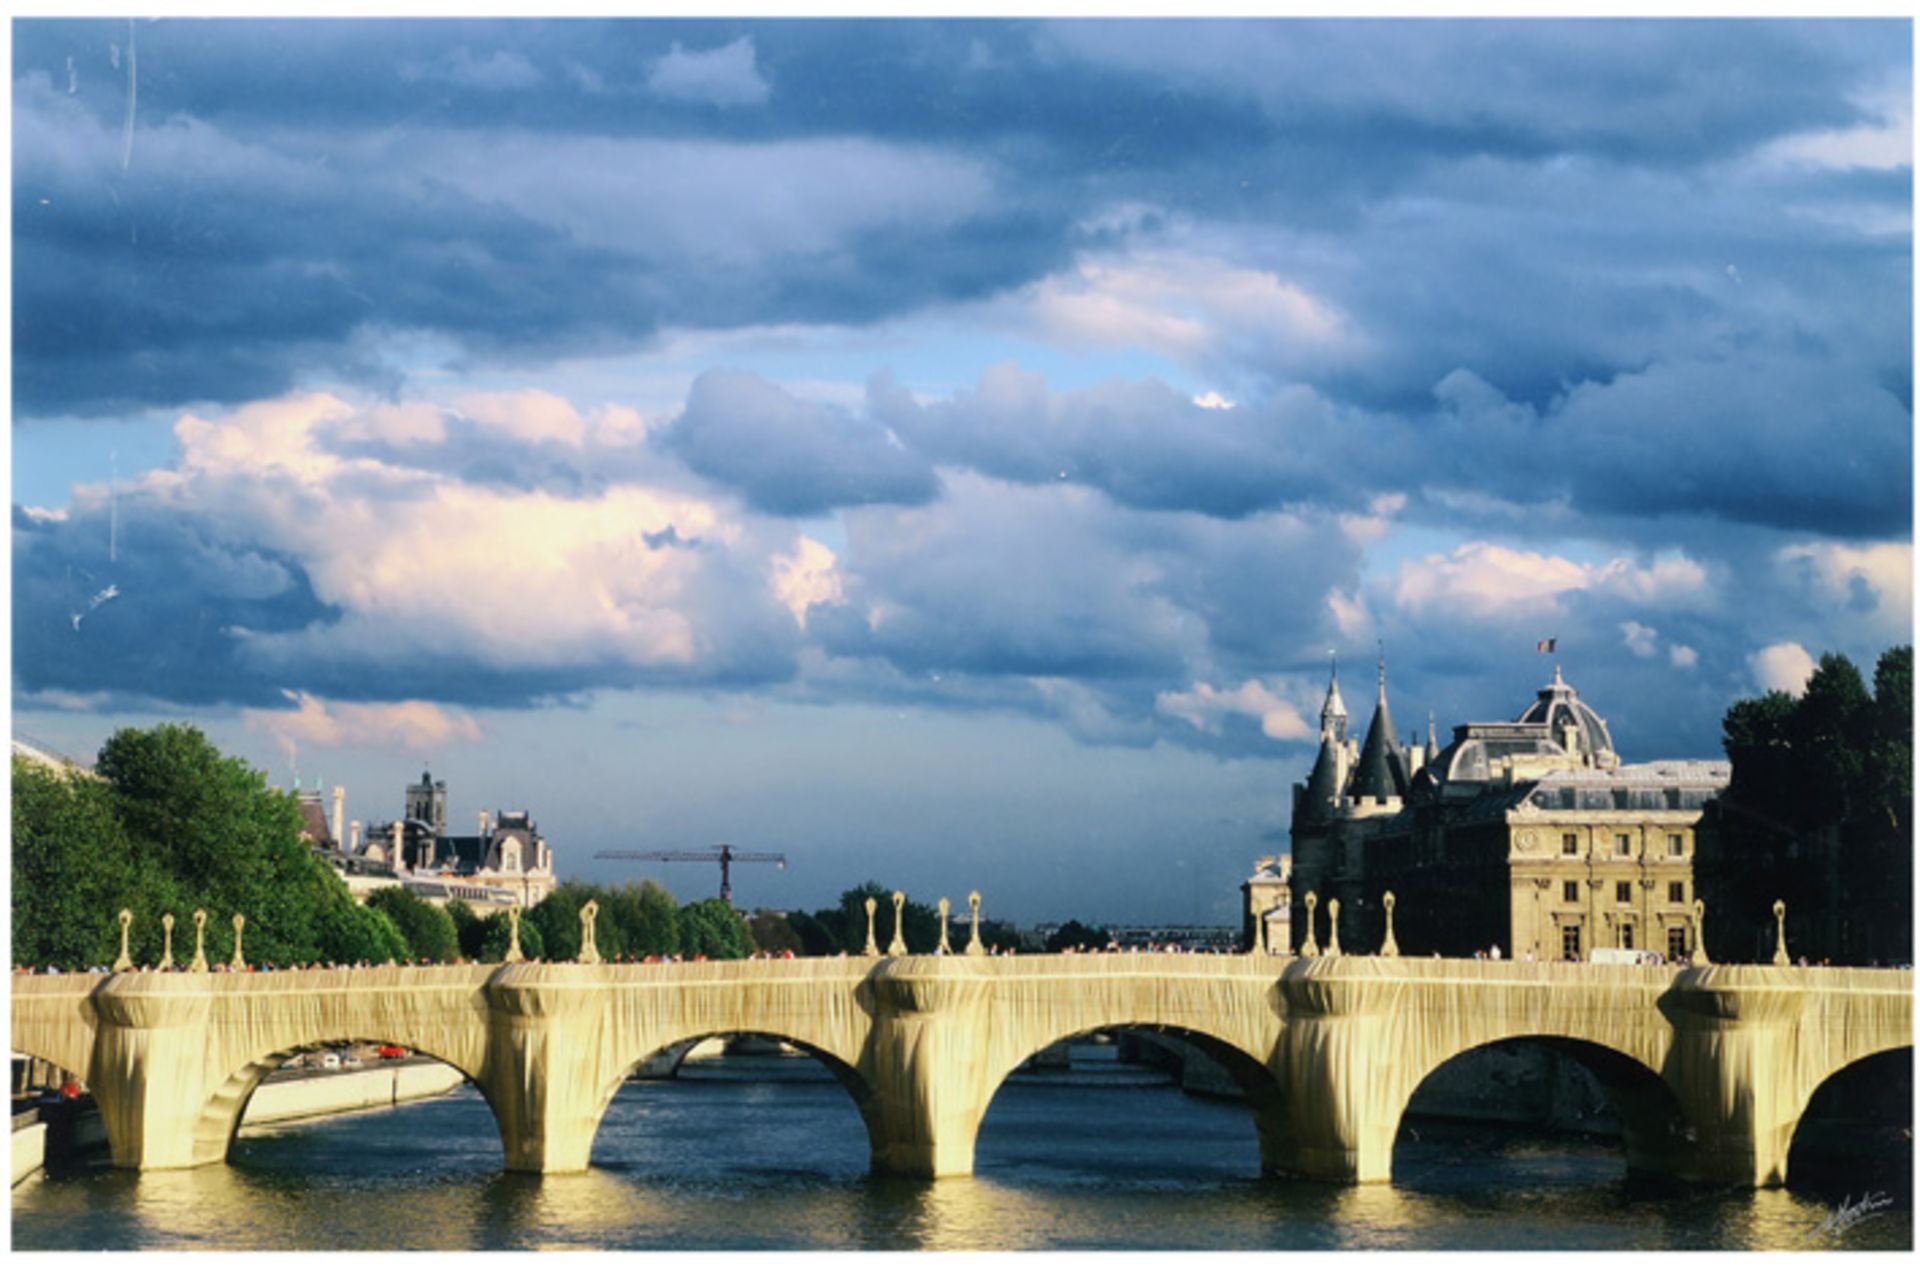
(944, 452)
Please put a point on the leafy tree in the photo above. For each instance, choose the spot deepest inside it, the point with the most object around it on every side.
(848, 922)
(496, 931)
(71, 871)
(466, 927)
(558, 916)
(774, 933)
(711, 928)
(232, 844)
(645, 916)
(816, 938)
(429, 932)
(359, 933)
(1074, 934)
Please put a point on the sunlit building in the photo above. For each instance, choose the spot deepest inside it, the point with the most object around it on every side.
(1529, 836)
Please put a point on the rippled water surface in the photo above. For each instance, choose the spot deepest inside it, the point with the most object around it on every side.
(749, 1154)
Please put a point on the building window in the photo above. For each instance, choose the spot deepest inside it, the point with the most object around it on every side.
(1676, 846)
(1676, 942)
(1626, 934)
(1569, 942)
(1623, 891)
(1569, 843)
(1623, 844)
(1570, 891)
(1676, 891)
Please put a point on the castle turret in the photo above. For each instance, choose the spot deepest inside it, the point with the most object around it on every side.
(1381, 772)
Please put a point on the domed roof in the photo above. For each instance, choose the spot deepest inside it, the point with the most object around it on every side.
(1558, 707)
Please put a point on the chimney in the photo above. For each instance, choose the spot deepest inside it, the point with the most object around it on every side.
(339, 812)
(484, 816)
(353, 837)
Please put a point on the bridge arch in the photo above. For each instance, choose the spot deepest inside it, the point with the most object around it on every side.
(858, 1088)
(1654, 1124)
(1260, 1089)
(221, 1114)
(1855, 1127)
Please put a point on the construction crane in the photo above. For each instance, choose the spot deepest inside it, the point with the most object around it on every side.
(725, 855)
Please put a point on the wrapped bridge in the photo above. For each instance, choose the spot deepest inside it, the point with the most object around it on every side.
(1711, 1066)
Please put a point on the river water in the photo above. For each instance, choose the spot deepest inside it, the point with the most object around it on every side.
(770, 1154)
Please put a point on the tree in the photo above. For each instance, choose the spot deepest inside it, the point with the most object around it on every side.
(645, 916)
(711, 928)
(1073, 934)
(816, 937)
(358, 933)
(429, 932)
(211, 825)
(466, 927)
(496, 932)
(72, 872)
(558, 916)
(848, 922)
(773, 933)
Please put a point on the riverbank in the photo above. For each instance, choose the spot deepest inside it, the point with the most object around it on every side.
(67, 1138)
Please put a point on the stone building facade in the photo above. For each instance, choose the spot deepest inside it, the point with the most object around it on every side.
(1529, 835)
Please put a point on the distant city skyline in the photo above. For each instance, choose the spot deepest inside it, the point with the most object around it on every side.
(945, 452)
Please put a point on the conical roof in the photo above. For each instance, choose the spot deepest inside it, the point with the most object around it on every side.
(1382, 770)
(1323, 785)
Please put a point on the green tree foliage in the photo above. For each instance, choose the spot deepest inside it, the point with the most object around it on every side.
(71, 871)
(211, 825)
(493, 934)
(1074, 934)
(1819, 814)
(775, 934)
(645, 916)
(429, 932)
(712, 929)
(558, 916)
(816, 937)
(847, 922)
(466, 927)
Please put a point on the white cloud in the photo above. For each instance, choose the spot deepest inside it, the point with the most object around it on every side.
(1185, 305)
(726, 77)
(422, 562)
(1486, 579)
(1684, 656)
(530, 415)
(1874, 578)
(1350, 615)
(411, 724)
(809, 577)
(1640, 639)
(1887, 143)
(1786, 666)
(1205, 707)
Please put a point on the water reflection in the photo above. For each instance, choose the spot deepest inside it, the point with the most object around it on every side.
(775, 1157)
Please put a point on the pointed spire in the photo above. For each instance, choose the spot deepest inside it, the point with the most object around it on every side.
(1333, 712)
(1382, 771)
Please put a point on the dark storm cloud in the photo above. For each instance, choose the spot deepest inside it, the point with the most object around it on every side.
(185, 598)
(296, 191)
